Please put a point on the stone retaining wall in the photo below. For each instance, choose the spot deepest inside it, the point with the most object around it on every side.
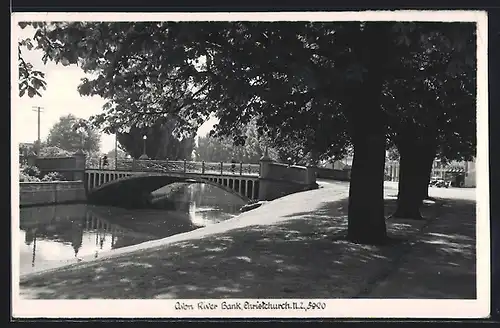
(45, 193)
(341, 175)
(278, 180)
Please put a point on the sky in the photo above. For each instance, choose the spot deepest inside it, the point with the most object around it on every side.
(61, 98)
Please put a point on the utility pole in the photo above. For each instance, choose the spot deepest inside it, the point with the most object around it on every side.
(38, 109)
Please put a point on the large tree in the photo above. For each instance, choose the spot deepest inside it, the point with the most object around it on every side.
(434, 113)
(161, 142)
(72, 134)
(121, 154)
(291, 77)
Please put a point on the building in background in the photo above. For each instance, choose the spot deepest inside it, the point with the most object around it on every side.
(461, 174)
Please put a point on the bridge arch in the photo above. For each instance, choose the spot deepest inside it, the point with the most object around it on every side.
(137, 187)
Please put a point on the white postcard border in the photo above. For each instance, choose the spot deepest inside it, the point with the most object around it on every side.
(334, 308)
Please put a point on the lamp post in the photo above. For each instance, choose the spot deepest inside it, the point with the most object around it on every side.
(116, 151)
(81, 139)
(80, 131)
(144, 156)
(265, 156)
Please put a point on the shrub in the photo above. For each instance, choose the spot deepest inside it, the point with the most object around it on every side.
(53, 176)
(53, 151)
(32, 171)
(27, 178)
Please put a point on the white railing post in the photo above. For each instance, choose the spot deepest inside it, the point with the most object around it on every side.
(221, 168)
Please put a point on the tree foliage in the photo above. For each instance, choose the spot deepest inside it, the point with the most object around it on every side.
(71, 134)
(321, 85)
(53, 151)
(30, 79)
(439, 103)
(179, 69)
(161, 142)
(225, 149)
(120, 152)
(284, 73)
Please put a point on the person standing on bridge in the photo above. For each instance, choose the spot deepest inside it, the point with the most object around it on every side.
(233, 165)
(105, 161)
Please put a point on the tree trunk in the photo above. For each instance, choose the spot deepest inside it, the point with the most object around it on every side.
(427, 162)
(416, 160)
(366, 220)
(409, 186)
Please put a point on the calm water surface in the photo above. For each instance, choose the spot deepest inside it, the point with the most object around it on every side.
(53, 236)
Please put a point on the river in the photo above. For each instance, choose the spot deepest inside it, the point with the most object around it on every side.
(52, 236)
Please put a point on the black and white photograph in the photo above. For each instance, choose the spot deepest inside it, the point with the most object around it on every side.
(286, 165)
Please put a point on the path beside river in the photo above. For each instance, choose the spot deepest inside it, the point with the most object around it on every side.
(293, 247)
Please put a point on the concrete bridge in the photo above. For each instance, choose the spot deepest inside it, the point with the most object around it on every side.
(129, 181)
(113, 187)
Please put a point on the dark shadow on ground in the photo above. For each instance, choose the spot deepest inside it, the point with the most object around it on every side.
(306, 257)
(442, 263)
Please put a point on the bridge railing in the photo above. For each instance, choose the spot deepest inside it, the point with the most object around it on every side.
(217, 168)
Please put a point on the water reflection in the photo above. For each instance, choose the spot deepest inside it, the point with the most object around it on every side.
(56, 235)
(204, 204)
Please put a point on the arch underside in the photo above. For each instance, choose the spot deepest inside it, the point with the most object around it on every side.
(136, 189)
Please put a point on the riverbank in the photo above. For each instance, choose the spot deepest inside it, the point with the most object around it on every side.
(50, 193)
(259, 216)
(264, 255)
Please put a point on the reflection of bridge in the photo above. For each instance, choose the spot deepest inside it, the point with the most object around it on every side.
(103, 228)
(131, 178)
(72, 231)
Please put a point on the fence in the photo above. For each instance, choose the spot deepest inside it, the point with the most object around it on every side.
(177, 166)
(392, 169)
